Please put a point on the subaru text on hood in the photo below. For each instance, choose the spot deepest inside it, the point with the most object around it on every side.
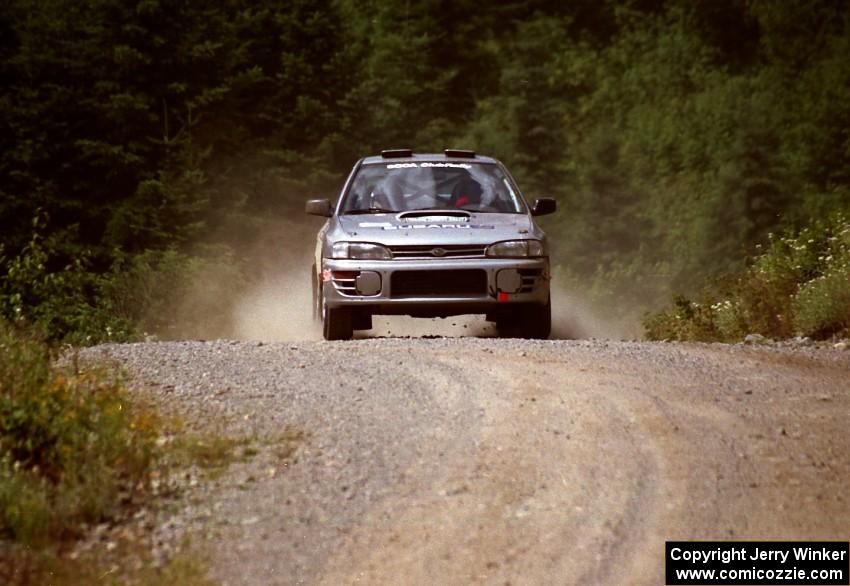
(431, 235)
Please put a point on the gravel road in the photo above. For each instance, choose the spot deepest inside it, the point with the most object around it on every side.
(463, 460)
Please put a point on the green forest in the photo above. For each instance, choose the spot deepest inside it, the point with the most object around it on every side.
(147, 144)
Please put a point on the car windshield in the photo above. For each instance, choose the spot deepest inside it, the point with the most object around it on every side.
(431, 185)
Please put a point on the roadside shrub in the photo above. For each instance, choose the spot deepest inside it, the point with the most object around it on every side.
(799, 286)
(72, 447)
(822, 304)
(56, 294)
(60, 295)
(687, 320)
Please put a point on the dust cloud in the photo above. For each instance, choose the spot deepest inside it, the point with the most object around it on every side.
(279, 308)
(417, 327)
(575, 318)
(274, 303)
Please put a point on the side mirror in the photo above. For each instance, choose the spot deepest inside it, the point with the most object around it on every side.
(544, 206)
(319, 207)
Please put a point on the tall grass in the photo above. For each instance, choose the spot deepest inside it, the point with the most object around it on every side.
(73, 449)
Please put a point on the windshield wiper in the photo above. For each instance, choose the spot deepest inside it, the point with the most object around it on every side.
(370, 211)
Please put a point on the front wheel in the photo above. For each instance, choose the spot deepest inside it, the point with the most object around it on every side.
(532, 321)
(536, 321)
(336, 323)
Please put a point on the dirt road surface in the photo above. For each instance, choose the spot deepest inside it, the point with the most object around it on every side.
(464, 461)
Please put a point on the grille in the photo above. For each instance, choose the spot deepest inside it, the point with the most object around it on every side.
(345, 286)
(427, 251)
(461, 282)
(529, 278)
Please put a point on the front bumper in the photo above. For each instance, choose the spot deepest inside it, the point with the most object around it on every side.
(504, 281)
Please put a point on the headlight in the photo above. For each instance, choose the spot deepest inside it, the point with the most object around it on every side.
(516, 248)
(361, 251)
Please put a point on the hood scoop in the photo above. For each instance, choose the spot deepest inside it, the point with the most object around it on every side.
(435, 216)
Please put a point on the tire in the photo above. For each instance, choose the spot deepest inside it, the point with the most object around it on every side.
(507, 325)
(336, 323)
(533, 321)
(536, 321)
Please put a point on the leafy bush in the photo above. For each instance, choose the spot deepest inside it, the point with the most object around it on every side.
(61, 296)
(687, 320)
(822, 304)
(48, 290)
(799, 286)
(72, 447)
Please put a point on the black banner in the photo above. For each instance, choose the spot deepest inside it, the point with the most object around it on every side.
(757, 562)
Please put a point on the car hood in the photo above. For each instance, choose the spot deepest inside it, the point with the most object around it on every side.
(435, 228)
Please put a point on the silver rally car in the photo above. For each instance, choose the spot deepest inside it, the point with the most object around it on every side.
(431, 235)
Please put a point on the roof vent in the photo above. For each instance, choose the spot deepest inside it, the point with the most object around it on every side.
(460, 154)
(397, 154)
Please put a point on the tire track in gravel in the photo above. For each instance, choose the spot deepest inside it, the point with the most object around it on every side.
(461, 461)
(362, 447)
(546, 484)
